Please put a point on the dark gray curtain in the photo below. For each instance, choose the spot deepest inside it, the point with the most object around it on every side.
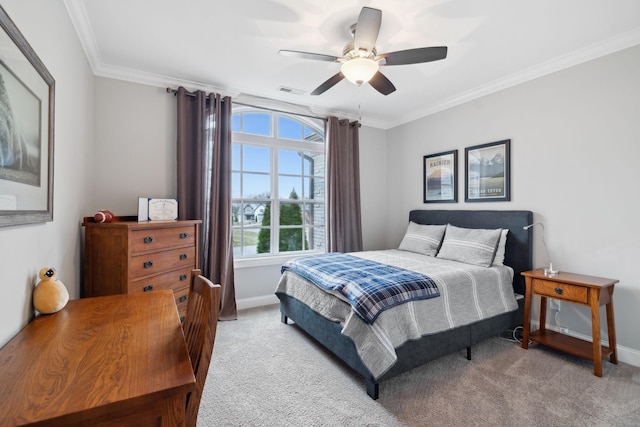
(204, 185)
(344, 227)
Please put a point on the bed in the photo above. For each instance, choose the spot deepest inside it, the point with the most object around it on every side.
(329, 319)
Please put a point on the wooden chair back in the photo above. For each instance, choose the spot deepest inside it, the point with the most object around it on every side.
(199, 329)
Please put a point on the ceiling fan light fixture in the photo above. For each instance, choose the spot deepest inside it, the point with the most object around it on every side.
(359, 70)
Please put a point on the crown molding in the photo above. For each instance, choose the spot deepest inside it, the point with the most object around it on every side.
(589, 53)
(80, 20)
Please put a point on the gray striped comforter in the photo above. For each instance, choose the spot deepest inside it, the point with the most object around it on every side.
(467, 294)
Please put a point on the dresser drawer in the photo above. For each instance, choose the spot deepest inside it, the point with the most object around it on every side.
(560, 291)
(155, 239)
(158, 262)
(171, 280)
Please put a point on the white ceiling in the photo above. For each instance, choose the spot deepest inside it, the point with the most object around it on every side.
(231, 47)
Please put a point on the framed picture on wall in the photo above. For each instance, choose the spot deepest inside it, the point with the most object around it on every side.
(488, 172)
(26, 127)
(440, 177)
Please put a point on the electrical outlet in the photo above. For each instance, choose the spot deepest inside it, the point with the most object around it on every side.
(555, 304)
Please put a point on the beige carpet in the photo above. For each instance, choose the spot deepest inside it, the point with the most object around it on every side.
(265, 373)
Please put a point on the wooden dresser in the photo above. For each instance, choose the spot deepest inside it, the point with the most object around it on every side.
(127, 256)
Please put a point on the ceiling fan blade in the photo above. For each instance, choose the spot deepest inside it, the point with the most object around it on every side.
(308, 55)
(382, 84)
(328, 84)
(414, 56)
(367, 28)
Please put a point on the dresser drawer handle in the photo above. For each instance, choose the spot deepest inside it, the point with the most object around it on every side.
(148, 288)
(148, 264)
(183, 277)
(558, 291)
(183, 257)
(148, 239)
(183, 235)
(183, 298)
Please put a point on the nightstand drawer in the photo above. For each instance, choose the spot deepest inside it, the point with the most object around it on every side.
(560, 291)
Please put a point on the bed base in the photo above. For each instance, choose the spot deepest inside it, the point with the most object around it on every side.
(410, 355)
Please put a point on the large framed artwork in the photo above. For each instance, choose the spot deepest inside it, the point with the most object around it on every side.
(26, 130)
(487, 169)
(440, 177)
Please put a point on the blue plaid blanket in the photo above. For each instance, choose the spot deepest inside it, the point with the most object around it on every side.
(369, 286)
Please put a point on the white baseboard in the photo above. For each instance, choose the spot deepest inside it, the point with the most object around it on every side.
(625, 354)
(261, 301)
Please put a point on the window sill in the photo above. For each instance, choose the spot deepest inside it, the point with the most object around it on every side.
(268, 260)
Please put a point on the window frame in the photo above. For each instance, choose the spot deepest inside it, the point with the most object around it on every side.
(275, 143)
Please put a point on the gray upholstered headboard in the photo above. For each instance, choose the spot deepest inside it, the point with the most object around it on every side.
(519, 249)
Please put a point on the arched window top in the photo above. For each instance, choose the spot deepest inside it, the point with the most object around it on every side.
(255, 121)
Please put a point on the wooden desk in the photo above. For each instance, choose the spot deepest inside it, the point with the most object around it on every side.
(113, 360)
(578, 289)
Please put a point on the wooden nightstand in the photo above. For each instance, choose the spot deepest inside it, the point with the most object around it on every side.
(579, 289)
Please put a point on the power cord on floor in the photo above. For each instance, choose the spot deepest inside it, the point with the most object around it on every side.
(512, 335)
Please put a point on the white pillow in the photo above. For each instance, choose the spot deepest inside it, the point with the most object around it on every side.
(422, 239)
(470, 245)
(499, 258)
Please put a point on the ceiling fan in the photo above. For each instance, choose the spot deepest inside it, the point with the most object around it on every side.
(360, 60)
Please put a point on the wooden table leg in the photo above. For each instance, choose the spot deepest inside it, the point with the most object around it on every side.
(526, 325)
(594, 302)
(543, 313)
(611, 329)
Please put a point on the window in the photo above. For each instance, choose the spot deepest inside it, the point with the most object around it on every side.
(278, 204)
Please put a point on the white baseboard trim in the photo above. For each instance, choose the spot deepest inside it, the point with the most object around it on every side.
(625, 354)
(261, 301)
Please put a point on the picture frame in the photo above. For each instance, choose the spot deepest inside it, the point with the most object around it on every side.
(155, 209)
(27, 94)
(440, 177)
(488, 172)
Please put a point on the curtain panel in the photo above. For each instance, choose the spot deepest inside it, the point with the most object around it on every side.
(344, 226)
(204, 184)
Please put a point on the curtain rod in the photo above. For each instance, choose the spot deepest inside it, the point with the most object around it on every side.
(175, 91)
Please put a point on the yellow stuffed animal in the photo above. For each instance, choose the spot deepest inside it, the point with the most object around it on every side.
(50, 295)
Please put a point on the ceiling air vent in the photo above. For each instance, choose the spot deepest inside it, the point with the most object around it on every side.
(290, 90)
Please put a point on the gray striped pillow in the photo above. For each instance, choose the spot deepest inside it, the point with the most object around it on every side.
(422, 239)
(470, 245)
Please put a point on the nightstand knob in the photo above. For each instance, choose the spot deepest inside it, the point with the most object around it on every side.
(558, 291)
(183, 235)
(148, 239)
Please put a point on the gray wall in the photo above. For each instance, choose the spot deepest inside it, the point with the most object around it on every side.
(24, 250)
(575, 147)
(135, 134)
